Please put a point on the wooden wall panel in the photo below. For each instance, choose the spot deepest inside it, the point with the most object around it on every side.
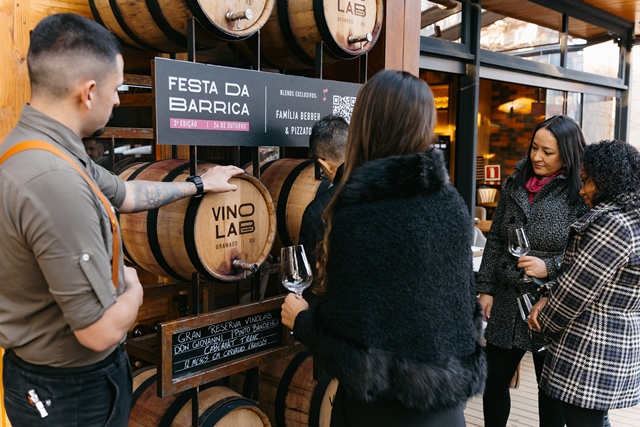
(17, 19)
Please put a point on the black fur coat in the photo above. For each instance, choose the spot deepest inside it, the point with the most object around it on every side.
(400, 318)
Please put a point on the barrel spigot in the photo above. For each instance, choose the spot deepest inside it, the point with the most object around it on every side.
(367, 37)
(247, 266)
(240, 15)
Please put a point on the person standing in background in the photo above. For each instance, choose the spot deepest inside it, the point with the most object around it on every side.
(66, 299)
(94, 148)
(327, 145)
(591, 316)
(398, 323)
(542, 195)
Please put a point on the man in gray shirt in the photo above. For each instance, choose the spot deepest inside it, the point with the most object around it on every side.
(66, 298)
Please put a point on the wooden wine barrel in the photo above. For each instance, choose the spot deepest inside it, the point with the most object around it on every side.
(204, 235)
(218, 405)
(161, 25)
(291, 397)
(292, 185)
(288, 40)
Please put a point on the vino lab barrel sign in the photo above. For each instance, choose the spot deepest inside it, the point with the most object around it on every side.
(200, 104)
(192, 349)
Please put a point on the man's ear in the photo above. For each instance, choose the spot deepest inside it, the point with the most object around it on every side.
(326, 166)
(87, 93)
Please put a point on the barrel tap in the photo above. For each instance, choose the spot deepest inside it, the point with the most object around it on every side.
(239, 16)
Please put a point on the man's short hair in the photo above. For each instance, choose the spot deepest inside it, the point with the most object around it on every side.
(328, 138)
(66, 48)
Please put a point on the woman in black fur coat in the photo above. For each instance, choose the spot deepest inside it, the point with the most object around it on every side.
(398, 324)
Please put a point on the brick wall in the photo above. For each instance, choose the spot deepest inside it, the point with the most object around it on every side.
(510, 132)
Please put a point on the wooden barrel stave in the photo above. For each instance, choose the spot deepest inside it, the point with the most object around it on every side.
(185, 236)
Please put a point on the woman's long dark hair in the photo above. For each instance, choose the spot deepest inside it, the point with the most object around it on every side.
(394, 114)
(614, 168)
(571, 144)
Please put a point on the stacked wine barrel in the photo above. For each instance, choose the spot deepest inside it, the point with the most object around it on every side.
(204, 235)
(290, 29)
(218, 406)
(292, 186)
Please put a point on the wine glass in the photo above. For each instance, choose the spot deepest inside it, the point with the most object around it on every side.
(519, 246)
(295, 271)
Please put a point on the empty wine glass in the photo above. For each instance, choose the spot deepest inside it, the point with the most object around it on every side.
(295, 271)
(519, 246)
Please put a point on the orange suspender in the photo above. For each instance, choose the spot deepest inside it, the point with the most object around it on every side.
(41, 145)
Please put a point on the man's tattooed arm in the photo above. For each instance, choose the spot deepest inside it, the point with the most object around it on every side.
(145, 195)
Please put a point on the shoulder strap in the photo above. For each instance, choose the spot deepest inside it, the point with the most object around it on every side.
(41, 145)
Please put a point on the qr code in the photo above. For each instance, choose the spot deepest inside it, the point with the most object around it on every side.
(343, 106)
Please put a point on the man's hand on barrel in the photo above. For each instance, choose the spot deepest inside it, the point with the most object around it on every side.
(216, 179)
(293, 304)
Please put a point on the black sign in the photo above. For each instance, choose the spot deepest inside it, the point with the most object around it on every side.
(198, 349)
(200, 104)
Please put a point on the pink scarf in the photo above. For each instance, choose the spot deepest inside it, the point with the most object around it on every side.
(536, 183)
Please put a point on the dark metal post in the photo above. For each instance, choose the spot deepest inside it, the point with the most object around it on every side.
(467, 106)
(195, 406)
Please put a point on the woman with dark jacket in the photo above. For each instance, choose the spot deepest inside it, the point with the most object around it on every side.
(592, 314)
(542, 196)
(398, 324)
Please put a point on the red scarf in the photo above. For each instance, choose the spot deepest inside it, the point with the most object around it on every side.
(535, 183)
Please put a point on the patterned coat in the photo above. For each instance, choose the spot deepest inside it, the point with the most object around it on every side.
(593, 314)
(546, 220)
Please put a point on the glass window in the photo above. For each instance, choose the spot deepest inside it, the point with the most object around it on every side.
(441, 19)
(592, 49)
(598, 114)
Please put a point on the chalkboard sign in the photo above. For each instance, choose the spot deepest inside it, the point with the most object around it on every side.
(200, 349)
(208, 346)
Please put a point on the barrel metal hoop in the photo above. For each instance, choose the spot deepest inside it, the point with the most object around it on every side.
(189, 236)
(289, 38)
(214, 413)
(152, 230)
(131, 177)
(125, 27)
(98, 19)
(163, 24)
(316, 400)
(281, 210)
(266, 166)
(177, 405)
(142, 388)
(283, 387)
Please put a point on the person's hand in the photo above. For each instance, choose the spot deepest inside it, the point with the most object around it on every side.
(533, 266)
(132, 283)
(486, 303)
(292, 306)
(532, 320)
(216, 179)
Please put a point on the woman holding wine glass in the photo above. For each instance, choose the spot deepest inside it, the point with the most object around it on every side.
(398, 323)
(542, 199)
(591, 318)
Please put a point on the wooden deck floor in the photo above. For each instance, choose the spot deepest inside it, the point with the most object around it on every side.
(524, 405)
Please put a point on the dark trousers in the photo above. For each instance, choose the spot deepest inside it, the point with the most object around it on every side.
(581, 417)
(496, 401)
(349, 412)
(98, 395)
